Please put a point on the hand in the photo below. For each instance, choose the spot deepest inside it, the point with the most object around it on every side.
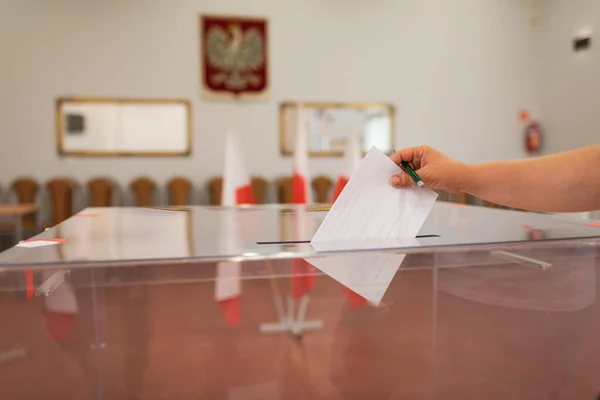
(436, 170)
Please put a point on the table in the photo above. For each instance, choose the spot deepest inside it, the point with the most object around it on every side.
(17, 212)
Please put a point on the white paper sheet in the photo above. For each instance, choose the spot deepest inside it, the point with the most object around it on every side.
(370, 210)
(367, 274)
(371, 214)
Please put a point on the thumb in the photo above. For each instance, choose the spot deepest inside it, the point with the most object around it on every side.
(401, 180)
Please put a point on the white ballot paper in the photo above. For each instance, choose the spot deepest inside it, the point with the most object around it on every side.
(371, 214)
(370, 210)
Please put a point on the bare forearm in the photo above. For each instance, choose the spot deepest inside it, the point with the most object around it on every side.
(565, 182)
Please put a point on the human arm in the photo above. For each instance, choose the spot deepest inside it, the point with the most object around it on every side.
(564, 182)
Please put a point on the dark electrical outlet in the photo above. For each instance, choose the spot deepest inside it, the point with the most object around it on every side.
(582, 44)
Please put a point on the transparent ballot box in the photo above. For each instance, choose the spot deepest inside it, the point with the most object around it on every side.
(221, 303)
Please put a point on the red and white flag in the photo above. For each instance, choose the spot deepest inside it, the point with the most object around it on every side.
(237, 185)
(237, 190)
(303, 273)
(301, 191)
(352, 158)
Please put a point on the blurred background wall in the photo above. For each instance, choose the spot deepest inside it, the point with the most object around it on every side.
(457, 71)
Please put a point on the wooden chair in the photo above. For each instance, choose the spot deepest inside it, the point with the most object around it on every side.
(179, 190)
(100, 191)
(215, 186)
(143, 189)
(26, 190)
(443, 196)
(284, 189)
(259, 189)
(490, 205)
(61, 192)
(322, 186)
(461, 198)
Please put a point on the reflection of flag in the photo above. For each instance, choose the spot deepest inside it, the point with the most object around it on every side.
(237, 188)
(228, 287)
(304, 277)
(351, 161)
(301, 193)
(228, 291)
(303, 273)
(355, 299)
(61, 311)
(29, 284)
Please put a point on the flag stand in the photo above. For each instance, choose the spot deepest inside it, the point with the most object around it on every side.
(288, 322)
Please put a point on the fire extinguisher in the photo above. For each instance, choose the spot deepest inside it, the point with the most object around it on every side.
(533, 138)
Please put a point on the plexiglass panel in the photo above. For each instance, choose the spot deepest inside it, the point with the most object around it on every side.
(159, 304)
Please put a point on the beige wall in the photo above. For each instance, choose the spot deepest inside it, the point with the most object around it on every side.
(456, 71)
(569, 81)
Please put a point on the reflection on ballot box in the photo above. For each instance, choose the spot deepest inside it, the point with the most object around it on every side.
(203, 303)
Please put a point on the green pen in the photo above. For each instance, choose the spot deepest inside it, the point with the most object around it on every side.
(412, 174)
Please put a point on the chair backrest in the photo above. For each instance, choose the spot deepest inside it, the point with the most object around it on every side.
(322, 186)
(215, 186)
(179, 190)
(60, 191)
(258, 184)
(259, 189)
(284, 189)
(100, 192)
(490, 205)
(461, 198)
(26, 190)
(143, 191)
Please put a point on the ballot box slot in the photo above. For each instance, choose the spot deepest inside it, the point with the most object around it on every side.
(308, 241)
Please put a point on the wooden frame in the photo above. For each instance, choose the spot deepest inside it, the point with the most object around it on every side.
(59, 121)
(284, 148)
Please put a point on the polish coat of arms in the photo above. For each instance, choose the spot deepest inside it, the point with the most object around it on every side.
(234, 56)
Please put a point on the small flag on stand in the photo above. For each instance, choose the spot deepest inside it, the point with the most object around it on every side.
(237, 185)
(301, 191)
(352, 158)
(237, 190)
(304, 277)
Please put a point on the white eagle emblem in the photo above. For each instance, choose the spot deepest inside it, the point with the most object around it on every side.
(237, 55)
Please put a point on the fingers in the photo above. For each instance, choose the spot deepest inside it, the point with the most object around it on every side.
(413, 155)
(401, 180)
